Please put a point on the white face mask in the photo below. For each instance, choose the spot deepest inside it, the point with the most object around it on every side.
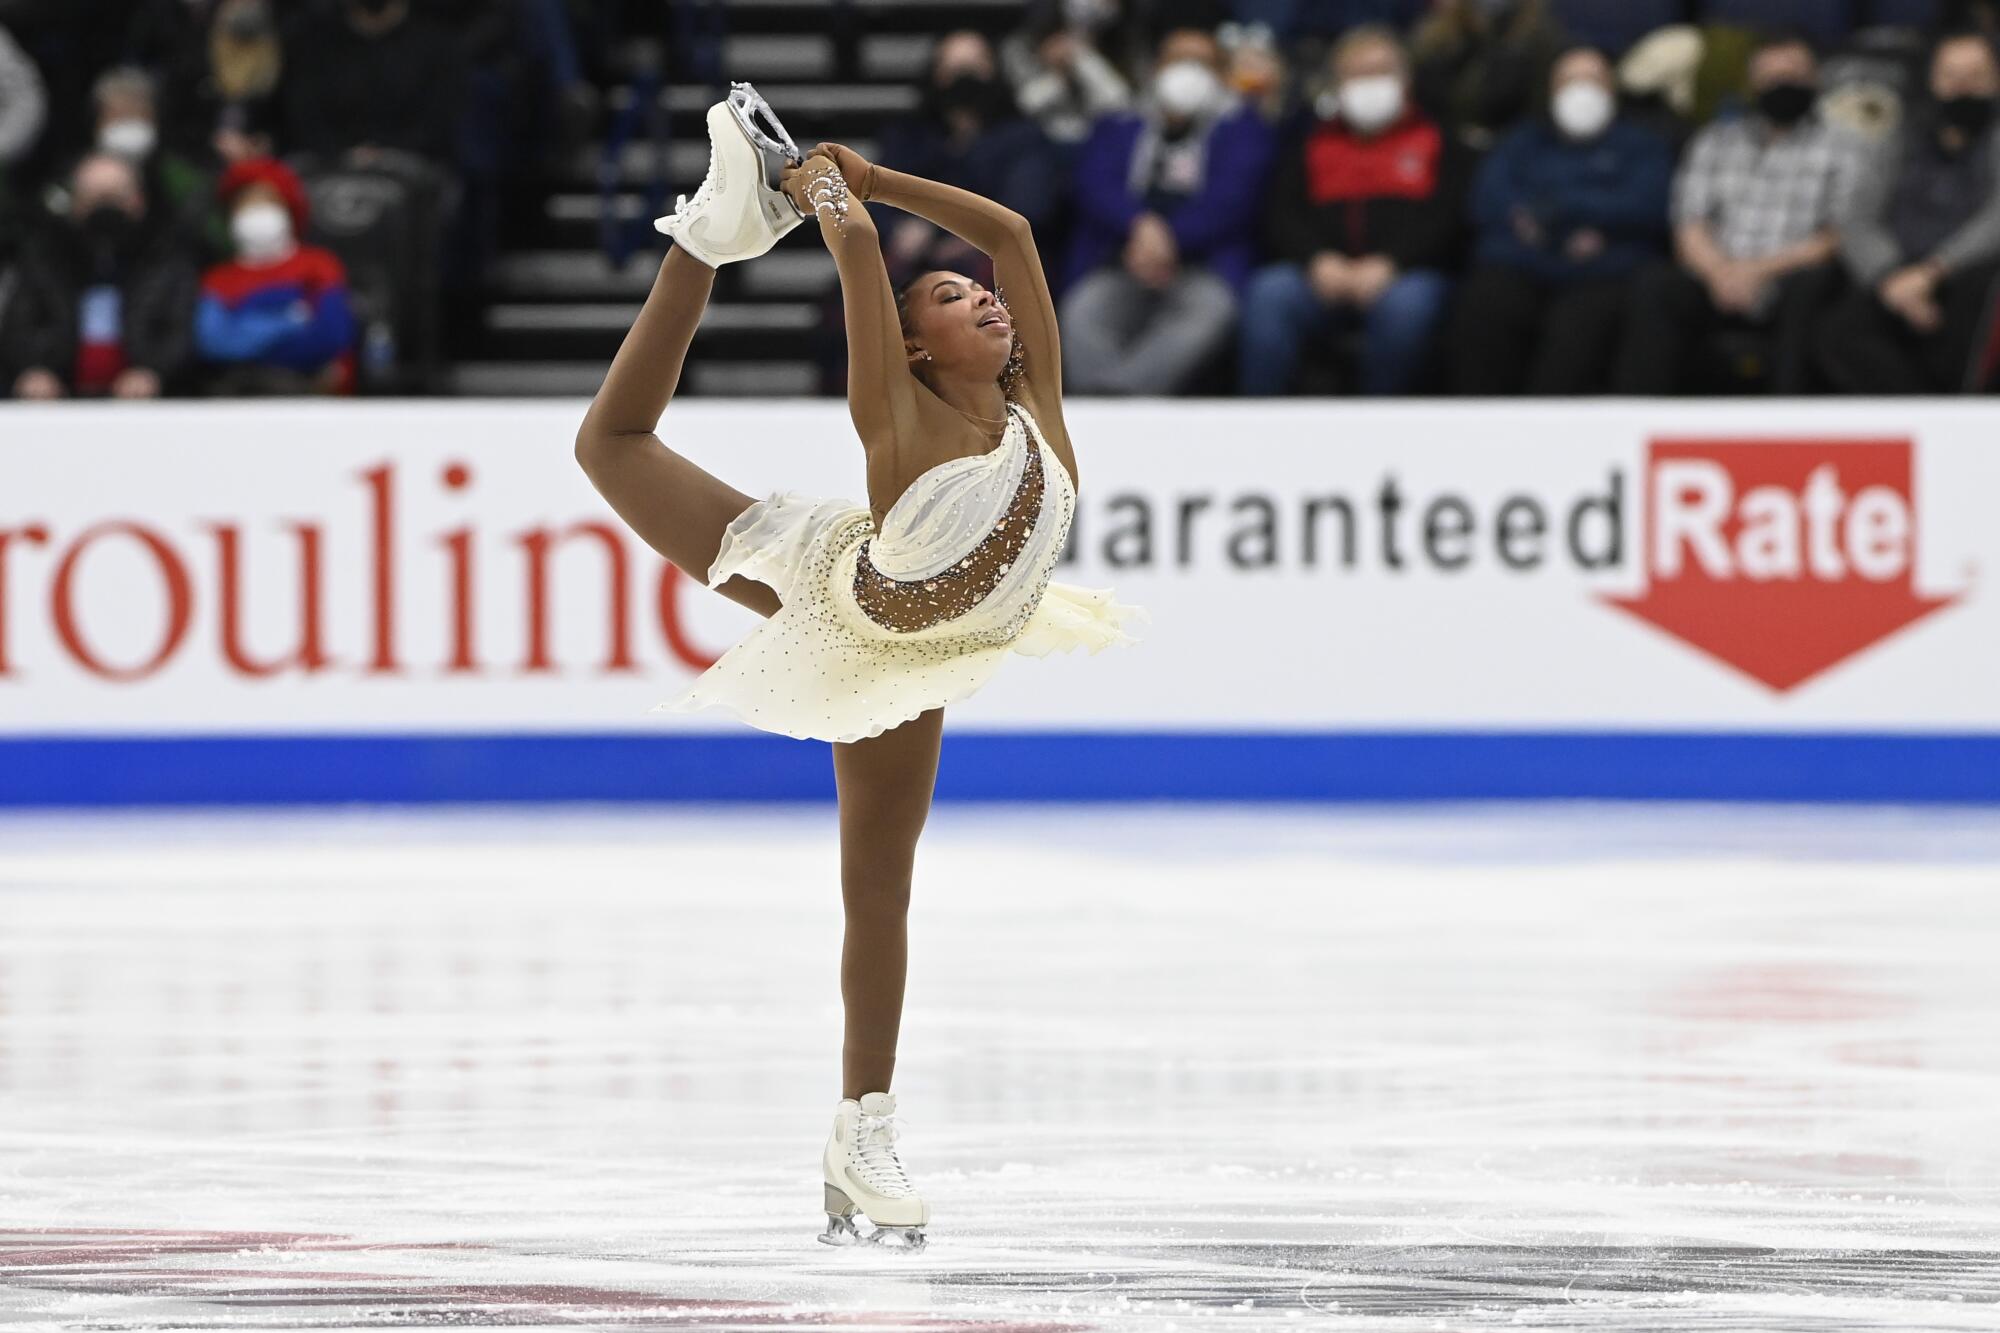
(1373, 102)
(261, 232)
(1186, 88)
(131, 139)
(1583, 109)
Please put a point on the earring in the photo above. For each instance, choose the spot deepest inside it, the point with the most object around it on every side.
(927, 354)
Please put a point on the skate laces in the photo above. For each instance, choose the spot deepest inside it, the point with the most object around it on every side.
(684, 207)
(875, 1144)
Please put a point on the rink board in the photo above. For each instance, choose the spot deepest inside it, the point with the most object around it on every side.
(427, 601)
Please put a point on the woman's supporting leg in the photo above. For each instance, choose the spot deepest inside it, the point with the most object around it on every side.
(676, 508)
(885, 785)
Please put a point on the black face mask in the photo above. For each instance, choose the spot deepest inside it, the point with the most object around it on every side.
(975, 94)
(108, 232)
(1786, 104)
(1968, 114)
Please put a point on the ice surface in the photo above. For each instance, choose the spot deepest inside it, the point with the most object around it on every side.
(1587, 1067)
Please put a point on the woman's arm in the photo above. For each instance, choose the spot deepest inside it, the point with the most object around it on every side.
(881, 391)
(993, 228)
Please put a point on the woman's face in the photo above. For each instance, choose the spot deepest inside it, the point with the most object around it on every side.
(962, 325)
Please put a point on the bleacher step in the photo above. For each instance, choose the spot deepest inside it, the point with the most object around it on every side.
(603, 316)
(581, 379)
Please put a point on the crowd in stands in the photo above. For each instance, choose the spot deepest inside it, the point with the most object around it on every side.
(259, 196)
(1482, 197)
(1489, 197)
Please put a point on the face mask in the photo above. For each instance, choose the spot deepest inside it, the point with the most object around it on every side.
(1582, 109)
(261, 231)
(107, 231)
(129, 139)
(1371, 103)
(1186, 89)
(1969, 114)
(974, 93)
(1786, 104)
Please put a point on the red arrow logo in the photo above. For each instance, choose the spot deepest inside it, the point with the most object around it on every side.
(1780, 558)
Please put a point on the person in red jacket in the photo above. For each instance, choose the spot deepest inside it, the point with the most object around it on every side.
(275, 319)
(1365, 220)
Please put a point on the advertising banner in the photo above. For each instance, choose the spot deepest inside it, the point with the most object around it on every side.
(1311, 569)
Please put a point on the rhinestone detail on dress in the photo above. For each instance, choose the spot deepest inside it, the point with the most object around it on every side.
(920, 604)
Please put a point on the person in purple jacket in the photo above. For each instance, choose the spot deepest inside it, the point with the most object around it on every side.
(1166, 209)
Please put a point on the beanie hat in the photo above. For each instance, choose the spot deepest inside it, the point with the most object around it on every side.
(267, 171)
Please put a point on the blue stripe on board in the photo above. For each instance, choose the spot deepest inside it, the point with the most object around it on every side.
(1005, 766)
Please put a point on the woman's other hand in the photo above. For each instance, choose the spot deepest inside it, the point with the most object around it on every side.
(858, 171)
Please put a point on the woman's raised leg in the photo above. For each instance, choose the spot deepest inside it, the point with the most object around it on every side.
(885, 785)
(676, 508)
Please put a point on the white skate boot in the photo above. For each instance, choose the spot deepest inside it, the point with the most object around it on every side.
(863, 1174)
(739, 211)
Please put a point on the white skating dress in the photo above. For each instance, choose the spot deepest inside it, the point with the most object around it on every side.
(879, 627)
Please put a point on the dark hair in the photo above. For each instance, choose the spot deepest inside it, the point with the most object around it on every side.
(1568, 49)
(903, 304)
(1963, 34)
(1778, 39)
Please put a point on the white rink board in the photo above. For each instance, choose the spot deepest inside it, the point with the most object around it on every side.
(1279, 646)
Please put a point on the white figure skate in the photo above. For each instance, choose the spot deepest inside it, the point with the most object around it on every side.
(863, 1174)
(739, 211)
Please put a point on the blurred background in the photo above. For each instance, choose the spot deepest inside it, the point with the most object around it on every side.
(1257, 197)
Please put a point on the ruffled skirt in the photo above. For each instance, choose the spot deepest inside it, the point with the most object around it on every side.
(821, 670)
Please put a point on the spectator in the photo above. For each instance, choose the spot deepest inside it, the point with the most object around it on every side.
(367, 75)
(1923, 240)
(1755, 209)
(1060, 78)
(968, 133)
(277, 316)
(128, 126)
(220, 80)
(1166, 201)
(1482, 64)
(1364, 218)
(1566, 209)
(106, 300)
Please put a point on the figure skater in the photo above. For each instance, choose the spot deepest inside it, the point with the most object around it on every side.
(878, 616)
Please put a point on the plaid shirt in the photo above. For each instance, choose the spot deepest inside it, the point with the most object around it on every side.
(1760, 195)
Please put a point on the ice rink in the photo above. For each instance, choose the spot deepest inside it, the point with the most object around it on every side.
(1163, 1067)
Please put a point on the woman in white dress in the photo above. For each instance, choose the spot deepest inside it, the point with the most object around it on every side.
(878, 615)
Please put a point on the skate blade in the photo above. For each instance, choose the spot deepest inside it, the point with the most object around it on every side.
(842, 1232)
(764, 130)
(841, 1229)
(774, 148)
(774, 151)
(908, 1240)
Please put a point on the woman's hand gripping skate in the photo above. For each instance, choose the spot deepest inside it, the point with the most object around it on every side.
(817, 188)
